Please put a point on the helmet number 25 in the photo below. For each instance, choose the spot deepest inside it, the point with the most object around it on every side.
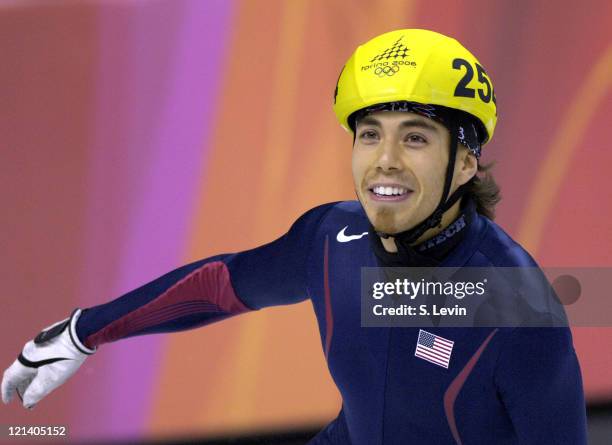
(462, 89)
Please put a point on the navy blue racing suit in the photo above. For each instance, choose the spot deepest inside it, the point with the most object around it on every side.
(501, 386)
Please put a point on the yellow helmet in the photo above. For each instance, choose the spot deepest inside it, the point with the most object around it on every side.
(416, 65)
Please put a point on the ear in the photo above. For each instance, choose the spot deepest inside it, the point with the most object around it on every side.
(466, 166)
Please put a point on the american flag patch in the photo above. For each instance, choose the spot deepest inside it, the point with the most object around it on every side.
(434, 349)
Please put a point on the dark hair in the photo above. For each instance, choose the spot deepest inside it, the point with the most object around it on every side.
(484, 191)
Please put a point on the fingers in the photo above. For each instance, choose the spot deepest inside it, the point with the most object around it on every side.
(45, 381)
(33, 394)
(16, 377)
(8, 388)
(23, 386)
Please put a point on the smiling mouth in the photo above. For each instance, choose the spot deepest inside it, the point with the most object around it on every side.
(389, 193)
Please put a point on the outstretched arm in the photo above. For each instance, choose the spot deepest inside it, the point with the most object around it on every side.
(193, 295)
(209, 290)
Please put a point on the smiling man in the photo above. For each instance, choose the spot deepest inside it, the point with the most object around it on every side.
(420, 107)
(399, 160)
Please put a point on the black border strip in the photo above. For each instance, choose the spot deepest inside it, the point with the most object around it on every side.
(300, 436)
(297, 436)
(599, 408)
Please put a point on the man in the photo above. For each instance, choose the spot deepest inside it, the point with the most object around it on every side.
(420, 107)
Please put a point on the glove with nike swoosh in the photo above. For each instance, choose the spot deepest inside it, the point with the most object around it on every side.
(45, 362)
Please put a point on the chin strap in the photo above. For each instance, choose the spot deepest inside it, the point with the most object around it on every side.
(408, 237)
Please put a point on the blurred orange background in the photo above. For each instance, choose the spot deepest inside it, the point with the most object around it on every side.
(138, 136)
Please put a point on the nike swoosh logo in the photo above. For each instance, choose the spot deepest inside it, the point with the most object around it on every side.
(37, 364)
(343, 238)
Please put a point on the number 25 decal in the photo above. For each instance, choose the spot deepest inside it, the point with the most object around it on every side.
(462, 89)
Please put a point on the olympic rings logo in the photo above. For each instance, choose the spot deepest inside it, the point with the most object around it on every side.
(386, 70)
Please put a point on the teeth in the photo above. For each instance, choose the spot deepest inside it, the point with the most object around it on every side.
(389, 191)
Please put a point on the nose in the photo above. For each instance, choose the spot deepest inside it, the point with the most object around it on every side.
(388, 156)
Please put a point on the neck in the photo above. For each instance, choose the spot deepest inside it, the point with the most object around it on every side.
(448, 217)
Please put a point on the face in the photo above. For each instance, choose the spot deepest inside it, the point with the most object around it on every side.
(399, 166)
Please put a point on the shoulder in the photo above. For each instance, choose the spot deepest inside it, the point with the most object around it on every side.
(347, 208)
(518, 289)
(497, 248)
(334, 215)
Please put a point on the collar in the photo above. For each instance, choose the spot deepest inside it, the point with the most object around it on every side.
(433, 251)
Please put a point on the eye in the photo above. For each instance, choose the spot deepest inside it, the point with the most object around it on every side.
(368, 135)
(415, 139)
